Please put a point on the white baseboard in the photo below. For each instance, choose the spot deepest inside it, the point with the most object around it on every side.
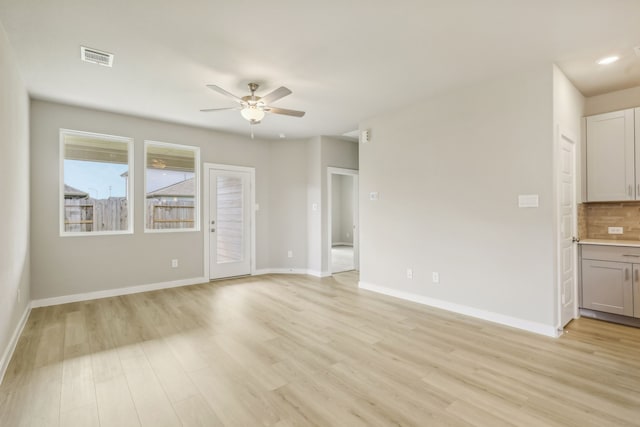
(44, 302)
(290, 271)
(8, 353)
(535, 327)
(317, 273)
(280, 271)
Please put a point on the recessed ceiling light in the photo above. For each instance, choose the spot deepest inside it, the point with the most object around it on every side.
(608, 60)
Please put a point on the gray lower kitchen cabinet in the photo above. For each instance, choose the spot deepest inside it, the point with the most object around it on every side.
(610, 279)
(608, 286)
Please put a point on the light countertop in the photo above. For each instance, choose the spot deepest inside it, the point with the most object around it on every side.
(607, 242)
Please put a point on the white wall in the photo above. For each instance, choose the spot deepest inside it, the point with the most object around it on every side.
(72, 265)
(613, 101)
(341, 209)
(14, 188)
(347, 208)
(448, 172)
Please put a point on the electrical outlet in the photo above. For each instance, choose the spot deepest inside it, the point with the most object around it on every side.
(435, 277)
(615, 230)
(174, 263)
(409, 273)
(289, 254)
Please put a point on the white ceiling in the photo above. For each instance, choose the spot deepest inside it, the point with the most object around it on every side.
(344, 60)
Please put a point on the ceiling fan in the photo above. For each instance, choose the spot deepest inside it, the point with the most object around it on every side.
(253, 107)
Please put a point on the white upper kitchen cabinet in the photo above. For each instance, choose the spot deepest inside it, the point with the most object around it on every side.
(612, 157)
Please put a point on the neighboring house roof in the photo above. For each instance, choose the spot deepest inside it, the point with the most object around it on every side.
(73, 193)
(184, 188)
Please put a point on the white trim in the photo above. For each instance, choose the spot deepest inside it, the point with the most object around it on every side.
(356, 222)
(11, 346)
(527, 325)
(65, 299)
(130, 187)
(303, 271)
(318, 273)
(565, 134)
(205, 200)
(196, 189)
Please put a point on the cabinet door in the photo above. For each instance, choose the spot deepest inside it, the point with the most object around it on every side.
(611, 157)
(607, 286)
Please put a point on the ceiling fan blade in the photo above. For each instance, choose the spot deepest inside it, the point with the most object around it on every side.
(281, 92)
(206, 110)
(284, 111)
(225, 93)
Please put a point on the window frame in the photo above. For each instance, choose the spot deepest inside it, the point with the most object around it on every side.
(196, 189)
(130, 185)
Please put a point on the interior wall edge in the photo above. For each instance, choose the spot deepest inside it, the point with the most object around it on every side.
(11, 346)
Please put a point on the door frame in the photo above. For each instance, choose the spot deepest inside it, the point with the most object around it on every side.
(564, 134)
(206, 169)
(356, 215)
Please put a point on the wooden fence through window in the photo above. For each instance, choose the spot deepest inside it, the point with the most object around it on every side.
(87, 215)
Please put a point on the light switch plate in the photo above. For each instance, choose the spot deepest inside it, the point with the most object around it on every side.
(528, 201)
(373, 195)
(616, 230)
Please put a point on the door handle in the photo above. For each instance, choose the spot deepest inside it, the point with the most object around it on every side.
(636, 272)
(626, 274)
(630, 189)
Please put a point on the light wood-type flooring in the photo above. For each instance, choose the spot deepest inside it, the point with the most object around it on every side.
(299, 351)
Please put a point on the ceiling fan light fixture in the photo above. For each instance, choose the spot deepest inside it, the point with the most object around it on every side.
(252, 113)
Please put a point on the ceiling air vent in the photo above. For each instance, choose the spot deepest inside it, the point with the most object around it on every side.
(96, 56)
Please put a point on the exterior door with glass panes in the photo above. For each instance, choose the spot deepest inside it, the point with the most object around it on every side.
(229, 223)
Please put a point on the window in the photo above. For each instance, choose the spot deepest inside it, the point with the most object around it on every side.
(171, 187)
(96, 184)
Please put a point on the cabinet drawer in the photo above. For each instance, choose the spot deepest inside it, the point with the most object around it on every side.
(611, 253)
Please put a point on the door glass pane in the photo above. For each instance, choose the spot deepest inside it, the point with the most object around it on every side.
(230, 219)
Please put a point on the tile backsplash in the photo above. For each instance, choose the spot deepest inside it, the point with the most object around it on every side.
(594, 220)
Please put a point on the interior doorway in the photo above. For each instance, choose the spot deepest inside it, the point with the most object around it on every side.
(342, 222)
(229, 212)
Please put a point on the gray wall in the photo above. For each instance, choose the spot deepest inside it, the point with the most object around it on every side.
(339, 154)
(341, 209)
(449, 171)
(14, 187)
(72, 265)
(290, 177)
(323, 152)
(288, 204)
